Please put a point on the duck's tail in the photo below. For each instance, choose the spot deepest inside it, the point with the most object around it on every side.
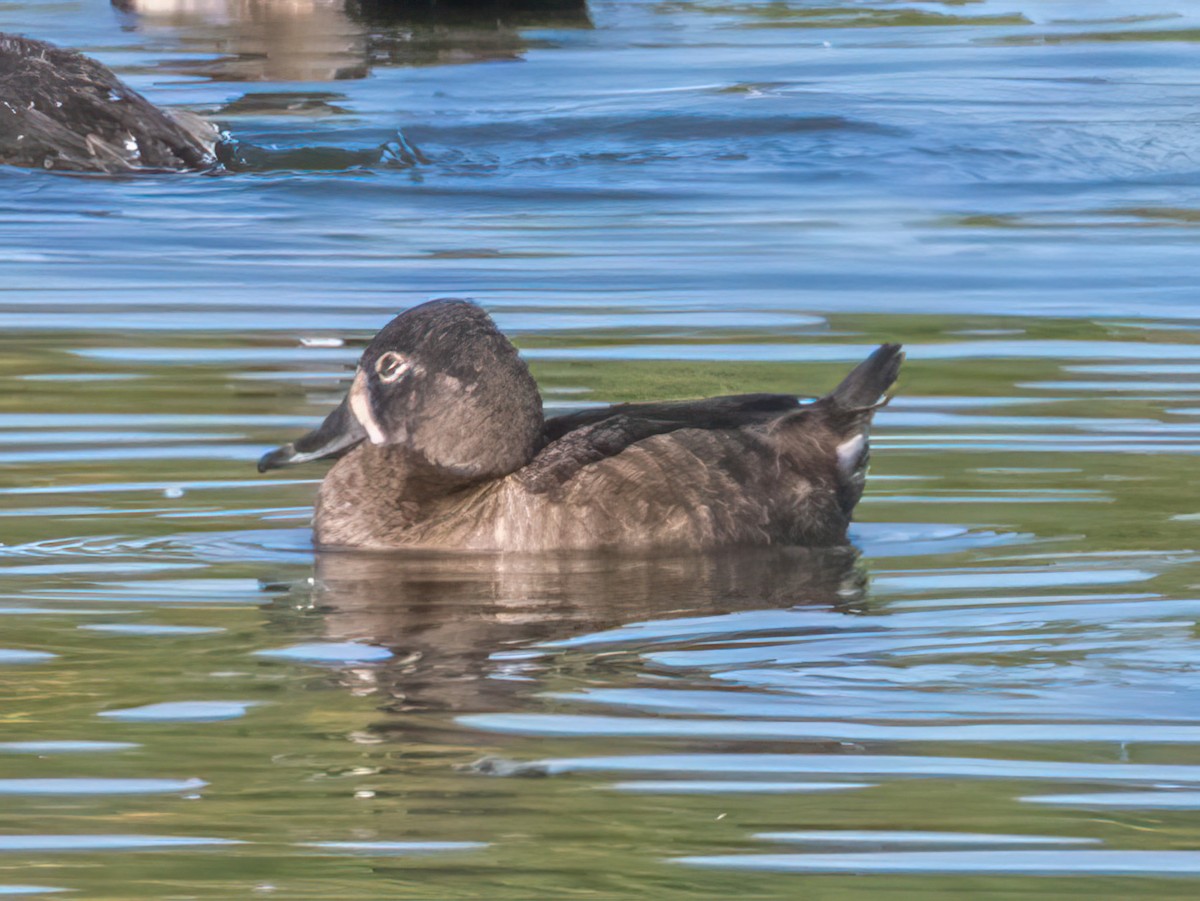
(863, 389)
(847, 411)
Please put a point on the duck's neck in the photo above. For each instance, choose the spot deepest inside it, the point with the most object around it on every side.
(374, 495)
(483, 430)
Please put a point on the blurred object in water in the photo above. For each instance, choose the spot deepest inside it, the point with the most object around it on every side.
(62, 110)
(330, 40)
(260, 40)
(512, 13)
(430, 33)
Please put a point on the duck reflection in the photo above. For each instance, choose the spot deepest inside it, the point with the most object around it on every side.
(329, 40)
(259, 40)
(462, 627)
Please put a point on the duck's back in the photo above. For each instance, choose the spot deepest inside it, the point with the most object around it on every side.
(687, 488)
(747, 469)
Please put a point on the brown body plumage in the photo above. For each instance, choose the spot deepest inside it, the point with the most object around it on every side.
(444, 445)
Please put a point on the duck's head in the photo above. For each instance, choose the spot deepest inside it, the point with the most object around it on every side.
(442, 383)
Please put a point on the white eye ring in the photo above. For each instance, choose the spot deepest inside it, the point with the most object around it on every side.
(391, 366)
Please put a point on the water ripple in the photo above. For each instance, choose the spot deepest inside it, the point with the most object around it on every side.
(333, 653)
(95, 786)
(149, 629)
(848, 838)
(64, 747)
(775, 730)
(394, 849)
(12, 655)
(33, 843)
(182, 712)
(870, 765)
(731, 786)
(1034, 863)
(1160, 800)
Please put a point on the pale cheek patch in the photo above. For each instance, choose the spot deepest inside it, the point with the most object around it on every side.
(360, 406)
(849, 454)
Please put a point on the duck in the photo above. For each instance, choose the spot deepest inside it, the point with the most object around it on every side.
(62, 110)
(441, 443)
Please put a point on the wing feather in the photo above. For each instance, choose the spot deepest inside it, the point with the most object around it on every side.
(577, 440)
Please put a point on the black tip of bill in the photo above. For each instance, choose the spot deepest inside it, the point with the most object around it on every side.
(277, 458)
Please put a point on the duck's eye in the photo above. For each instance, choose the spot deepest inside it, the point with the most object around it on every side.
(390, 366)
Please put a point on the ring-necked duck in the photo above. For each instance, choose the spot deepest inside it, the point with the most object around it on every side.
(442, 444)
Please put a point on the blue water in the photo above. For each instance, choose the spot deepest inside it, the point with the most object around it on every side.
(994, 698)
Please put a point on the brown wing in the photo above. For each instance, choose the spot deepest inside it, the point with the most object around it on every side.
(580, 439)
(726, 412)
(833, 428)
(693, 488)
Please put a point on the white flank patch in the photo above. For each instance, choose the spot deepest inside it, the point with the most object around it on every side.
(849, 454)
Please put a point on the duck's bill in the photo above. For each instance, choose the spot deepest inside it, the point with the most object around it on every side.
(339, 433)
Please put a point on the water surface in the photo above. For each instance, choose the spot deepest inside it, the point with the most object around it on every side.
(995, 697)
